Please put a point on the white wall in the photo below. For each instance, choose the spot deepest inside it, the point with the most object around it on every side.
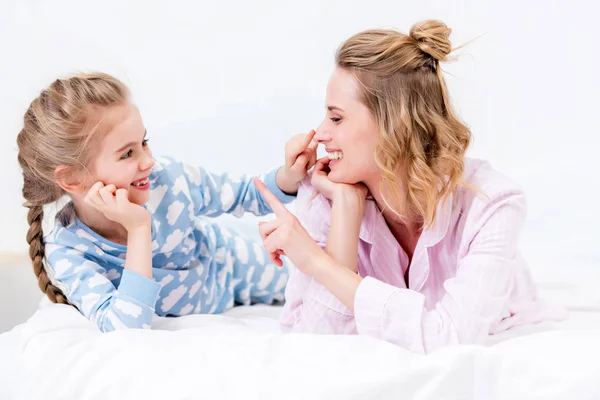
(224, 83)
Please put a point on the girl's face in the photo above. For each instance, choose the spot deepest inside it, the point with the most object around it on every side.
(124, 158)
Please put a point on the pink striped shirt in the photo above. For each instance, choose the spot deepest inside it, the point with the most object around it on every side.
(466, 279)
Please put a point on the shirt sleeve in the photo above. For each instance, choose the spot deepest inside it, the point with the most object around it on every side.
(474, 298)
(309, 306)
(215, 194)
(131, 305)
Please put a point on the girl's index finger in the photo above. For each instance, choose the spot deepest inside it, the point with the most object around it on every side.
(308, 138)
(276, 205)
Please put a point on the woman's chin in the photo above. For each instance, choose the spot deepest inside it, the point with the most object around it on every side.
(340, 177)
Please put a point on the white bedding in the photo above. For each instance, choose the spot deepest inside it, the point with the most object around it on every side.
(60, 355)
(11, 379)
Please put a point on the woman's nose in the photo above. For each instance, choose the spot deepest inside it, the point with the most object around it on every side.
(322, 135)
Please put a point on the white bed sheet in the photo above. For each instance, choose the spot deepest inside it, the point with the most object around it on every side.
(11, 379)
(258, 318)
(58, 354)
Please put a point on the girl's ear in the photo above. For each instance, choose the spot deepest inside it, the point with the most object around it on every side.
(69, 180)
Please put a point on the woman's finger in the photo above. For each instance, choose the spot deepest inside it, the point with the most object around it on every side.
(276, 205)
(322, 163)
(321, 171)
(265, 228)
(274, 252)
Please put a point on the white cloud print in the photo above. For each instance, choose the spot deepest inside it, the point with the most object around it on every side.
(173, 297)
(174, 212)
(172, 241)
(155, 197)
(127, 308)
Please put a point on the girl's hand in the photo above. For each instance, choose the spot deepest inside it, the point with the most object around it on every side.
(300, 156)
(115, 205)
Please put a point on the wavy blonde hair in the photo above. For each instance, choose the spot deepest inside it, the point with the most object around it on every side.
(421, 142)
(61, 127)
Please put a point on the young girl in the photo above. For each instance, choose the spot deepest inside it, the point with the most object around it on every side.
(431, 257)
(132, 241)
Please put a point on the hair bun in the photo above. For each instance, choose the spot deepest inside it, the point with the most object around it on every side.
(431, 37)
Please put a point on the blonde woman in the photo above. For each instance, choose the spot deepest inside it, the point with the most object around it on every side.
(398, 234)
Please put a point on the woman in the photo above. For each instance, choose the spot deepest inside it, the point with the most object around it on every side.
(399, 235)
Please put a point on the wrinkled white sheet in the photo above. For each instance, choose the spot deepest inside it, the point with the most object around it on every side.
(241, 355)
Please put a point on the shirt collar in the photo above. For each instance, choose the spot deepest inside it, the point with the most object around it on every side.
(430, 237)
(370, 221)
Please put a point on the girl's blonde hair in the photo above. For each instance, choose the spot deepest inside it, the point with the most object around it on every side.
(61, 127)
(420, 137)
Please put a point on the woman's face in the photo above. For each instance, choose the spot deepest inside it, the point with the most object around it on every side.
(348, 132)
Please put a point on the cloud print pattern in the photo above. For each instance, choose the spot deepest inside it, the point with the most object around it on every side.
(198, 266)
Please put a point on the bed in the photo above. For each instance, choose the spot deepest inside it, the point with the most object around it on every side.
(58, 354)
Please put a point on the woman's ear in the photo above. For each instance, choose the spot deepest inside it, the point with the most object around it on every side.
(69, 180)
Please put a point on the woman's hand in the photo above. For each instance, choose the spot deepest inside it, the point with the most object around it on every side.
(348, 202)
(333, 190)
(286, 236)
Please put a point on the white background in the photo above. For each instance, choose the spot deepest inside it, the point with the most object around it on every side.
(223, 84)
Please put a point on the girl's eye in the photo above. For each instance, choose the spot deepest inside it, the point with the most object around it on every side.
(127, 155)
(335, 119)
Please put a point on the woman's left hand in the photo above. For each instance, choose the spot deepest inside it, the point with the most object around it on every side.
(286, 236)
(332, 190)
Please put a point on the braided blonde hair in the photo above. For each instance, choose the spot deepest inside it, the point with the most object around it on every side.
(60, 128)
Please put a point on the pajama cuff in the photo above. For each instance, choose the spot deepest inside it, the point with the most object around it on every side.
(389, 313)
(139, 287)
(271, 183)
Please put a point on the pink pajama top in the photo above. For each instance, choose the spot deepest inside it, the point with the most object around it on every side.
(467, 279)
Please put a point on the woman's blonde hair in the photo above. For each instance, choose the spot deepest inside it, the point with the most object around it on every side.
(61, 127)
(419, 135)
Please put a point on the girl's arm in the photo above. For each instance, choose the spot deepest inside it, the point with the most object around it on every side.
(132, 304)
(129, 305)
(217, 194)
